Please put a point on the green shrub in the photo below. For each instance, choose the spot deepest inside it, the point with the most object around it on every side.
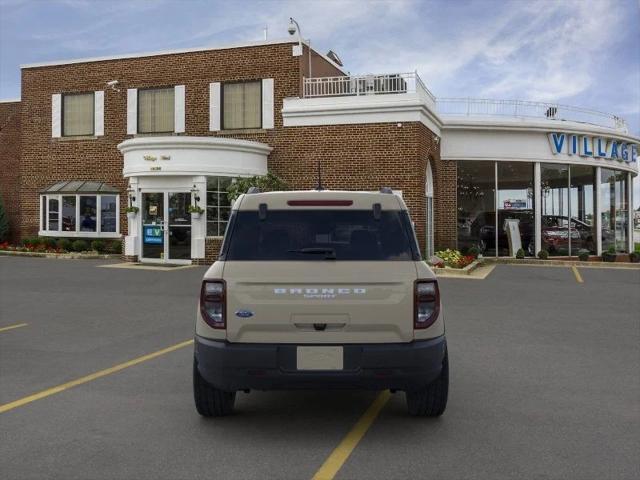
(634, 257)
(34, 241)
(64, 244)
(611, 249)
(583, 255)
(80, 246)
(98, 246)
(543, 254)
(4, 223)
(266, 183)
(474, 251)
(115, 246)
(520, 253)
(48, 242)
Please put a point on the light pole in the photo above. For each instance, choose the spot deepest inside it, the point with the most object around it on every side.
(293, 28)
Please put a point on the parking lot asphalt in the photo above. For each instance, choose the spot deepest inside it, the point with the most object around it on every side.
(545, 383)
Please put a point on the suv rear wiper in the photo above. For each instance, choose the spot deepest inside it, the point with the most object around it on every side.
(330, 253)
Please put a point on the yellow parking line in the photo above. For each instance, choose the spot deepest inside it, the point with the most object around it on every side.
(11, 327)
(341, 453)
(102, 373)
(576, 273)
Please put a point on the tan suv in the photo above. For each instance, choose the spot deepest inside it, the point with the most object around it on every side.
(315, 290)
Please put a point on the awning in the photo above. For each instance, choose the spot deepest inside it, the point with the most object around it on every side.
(80, 186)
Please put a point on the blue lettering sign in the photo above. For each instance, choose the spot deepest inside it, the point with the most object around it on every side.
(624, 152)
(152, 235)
(586, 148)
(601, 150)
(634, 153)
(557, 142)
(573, 148)
(614, 150)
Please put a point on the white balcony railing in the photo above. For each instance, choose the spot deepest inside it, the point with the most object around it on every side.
(355, 85)
(521, 108)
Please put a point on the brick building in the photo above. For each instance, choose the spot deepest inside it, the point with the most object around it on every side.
(163, 131)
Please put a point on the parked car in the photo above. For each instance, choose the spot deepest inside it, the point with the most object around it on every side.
(319, 290)
(555, 235)
(484, 231)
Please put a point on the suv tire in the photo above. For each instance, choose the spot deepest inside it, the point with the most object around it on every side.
(431, 401)
(210, 401)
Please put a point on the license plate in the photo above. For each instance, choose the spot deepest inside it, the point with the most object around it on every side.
(320, 358)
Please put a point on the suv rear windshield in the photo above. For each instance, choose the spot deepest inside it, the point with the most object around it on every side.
(320, 235)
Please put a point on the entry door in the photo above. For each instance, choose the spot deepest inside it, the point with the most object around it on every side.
(153, 227)
(166, 227)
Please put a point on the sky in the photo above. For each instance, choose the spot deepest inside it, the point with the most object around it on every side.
(576, 52)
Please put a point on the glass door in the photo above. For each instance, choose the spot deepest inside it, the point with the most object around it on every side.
(153, 226)
(179, 234)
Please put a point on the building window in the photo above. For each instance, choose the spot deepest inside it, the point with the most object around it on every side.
(156, 110)
(218, 205)
(477, 206)
(242, 105)
(78, 114)
(614, 208)
(79, 216)
(515, 203)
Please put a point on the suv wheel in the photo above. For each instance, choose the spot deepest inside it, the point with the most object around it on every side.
(431, 401)
(210, 401)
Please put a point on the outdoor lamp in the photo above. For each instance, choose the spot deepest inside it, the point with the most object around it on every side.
(194, 192)
(132, 198)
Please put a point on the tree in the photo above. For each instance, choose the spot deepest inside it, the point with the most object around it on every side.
(266, 183)
(4, 223)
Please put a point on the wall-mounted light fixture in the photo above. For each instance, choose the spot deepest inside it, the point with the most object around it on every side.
(132, 197)
(195, 193)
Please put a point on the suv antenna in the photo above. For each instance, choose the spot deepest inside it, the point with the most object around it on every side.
(319, 187)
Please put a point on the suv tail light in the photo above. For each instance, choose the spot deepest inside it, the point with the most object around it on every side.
(426, 304)
(213, 303)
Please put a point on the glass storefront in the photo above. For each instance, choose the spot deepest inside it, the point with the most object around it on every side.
(568, 208)
(515, 205)
(476, 206)
(614, 210)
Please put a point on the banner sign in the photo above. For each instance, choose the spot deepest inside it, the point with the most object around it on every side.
(597, 147)
(152, 235)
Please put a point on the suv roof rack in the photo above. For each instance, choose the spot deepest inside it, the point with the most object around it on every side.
(386, 190)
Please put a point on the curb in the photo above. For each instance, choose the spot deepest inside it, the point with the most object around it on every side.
(563, 263)
(456, 272)
(62, 256)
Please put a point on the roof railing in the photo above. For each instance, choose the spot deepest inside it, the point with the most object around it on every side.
(480, 107)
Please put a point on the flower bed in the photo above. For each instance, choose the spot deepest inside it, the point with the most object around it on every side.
(46, 245)
(453, 259)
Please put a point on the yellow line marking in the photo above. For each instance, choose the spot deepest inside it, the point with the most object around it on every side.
(330, 467)
(139, 266)
(576, 273)
(11, 327)
(94, 376)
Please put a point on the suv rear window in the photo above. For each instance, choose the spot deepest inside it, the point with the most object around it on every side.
(320, 235)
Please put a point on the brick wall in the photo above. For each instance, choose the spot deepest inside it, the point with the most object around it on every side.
(10, 163)
(354, 157)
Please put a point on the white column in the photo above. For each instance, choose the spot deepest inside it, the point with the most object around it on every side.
(132, 111)
(132, 239)
(199, 227)
(630, 210)
(178, 110)
(98, 112)
(56, 115)
(537, 187)
(598, 219)
(214, 106)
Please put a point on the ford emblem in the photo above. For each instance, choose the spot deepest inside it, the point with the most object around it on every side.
(244, 313)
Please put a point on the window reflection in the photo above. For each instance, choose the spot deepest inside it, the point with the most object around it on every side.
(69, 214)
(614, 210)
(515, 204)
(87, 214)
(476, 206)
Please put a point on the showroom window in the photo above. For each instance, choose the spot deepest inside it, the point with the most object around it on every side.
(515, 204)
(242, 105)
(614, 209)
(78, 114)
(156, 110)
(582, 206)
(476, 206)
(80, 209)
(218, 205)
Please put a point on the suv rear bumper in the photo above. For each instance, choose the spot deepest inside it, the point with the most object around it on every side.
(243, 366)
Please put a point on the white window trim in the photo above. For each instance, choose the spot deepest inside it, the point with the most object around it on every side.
(45, 232)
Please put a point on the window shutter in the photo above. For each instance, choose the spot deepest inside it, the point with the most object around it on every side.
(56, 115)
(267, 103)
(132, 111)
(98, 112)
(178, 110)
(214, 106)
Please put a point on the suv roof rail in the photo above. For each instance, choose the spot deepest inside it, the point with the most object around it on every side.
(386, 190)
(253, 190)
